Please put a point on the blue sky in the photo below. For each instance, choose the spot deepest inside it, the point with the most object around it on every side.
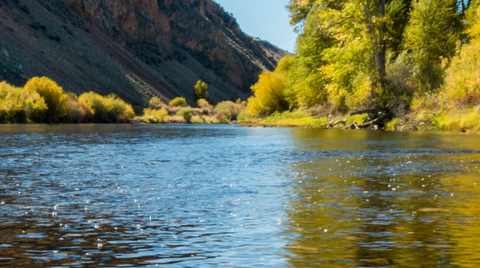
(266, 19)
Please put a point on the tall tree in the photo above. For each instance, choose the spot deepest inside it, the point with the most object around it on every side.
(200, 90)
(431, 38)
(299, 10)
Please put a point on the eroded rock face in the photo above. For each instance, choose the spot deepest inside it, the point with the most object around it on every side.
(135, 48)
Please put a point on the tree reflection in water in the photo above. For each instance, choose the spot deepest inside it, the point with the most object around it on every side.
(373, 199)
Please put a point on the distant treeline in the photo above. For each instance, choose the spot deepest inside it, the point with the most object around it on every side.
(393, 57)
(41, 100)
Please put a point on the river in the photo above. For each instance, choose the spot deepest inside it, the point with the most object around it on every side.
(225, 196)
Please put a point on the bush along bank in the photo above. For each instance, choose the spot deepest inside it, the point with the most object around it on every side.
(41, 100)
(177, 112)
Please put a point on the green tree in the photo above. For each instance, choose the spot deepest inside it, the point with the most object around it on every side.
(201, 90)
(307, 85)
(431, 38)
(299, 10)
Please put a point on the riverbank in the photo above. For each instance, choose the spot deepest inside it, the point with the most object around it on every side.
(450, 121)
(42, 100)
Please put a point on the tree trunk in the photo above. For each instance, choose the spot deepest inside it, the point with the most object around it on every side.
(382, 58)
(379, 43)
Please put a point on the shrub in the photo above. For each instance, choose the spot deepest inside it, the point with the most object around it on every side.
(54, 96)
(187, 115)
(156, 103)
(105, 109)
(222, 119)
(269, 94)
(244, 116)
(228, 109)
(75, 113)
(463, 76)
(17, 105)
(200, 90)
(178, 102)
(154, 116)
(203, 103)
(11, 104)
(35, 106)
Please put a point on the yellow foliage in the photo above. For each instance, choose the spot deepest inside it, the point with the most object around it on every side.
(270, 90)
(186, 114)
(105, 109)
(362, 93)
(466, 120)
(155, 103)
(17, 105)
(75, 113)
(392, 124)
(359, 119)
(203, 103)
(463, 76)
(53, 94)
(292, 119)
(178, 102)
(154, 116)
(228, 110)
(269, 95)
(42, 100)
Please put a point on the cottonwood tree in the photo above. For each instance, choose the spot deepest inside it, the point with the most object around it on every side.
(200, 90)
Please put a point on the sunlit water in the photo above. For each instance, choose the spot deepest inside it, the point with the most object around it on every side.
(208, 196)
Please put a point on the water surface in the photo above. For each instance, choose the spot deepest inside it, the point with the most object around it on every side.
(208, 196)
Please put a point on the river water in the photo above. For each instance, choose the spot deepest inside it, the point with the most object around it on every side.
(225, 196)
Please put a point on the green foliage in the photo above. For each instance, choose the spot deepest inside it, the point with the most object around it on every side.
(431, 36)
(359, 119)
(53, 95)
(459, 120)
(294, 119)
(201, 90)
(392, 55)
(155, 103)
(178, 102)
(186, 114)
(306, 84)
(299, 10)
(105, 109)
(228, 111)
(244, 116)
(392, 124)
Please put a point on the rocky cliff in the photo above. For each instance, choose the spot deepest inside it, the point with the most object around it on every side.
(133, 48)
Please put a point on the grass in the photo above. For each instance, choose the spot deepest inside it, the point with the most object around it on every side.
(424, 120)
(290, 119)
(468, 120)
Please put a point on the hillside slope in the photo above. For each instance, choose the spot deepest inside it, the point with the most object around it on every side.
(135, 49)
